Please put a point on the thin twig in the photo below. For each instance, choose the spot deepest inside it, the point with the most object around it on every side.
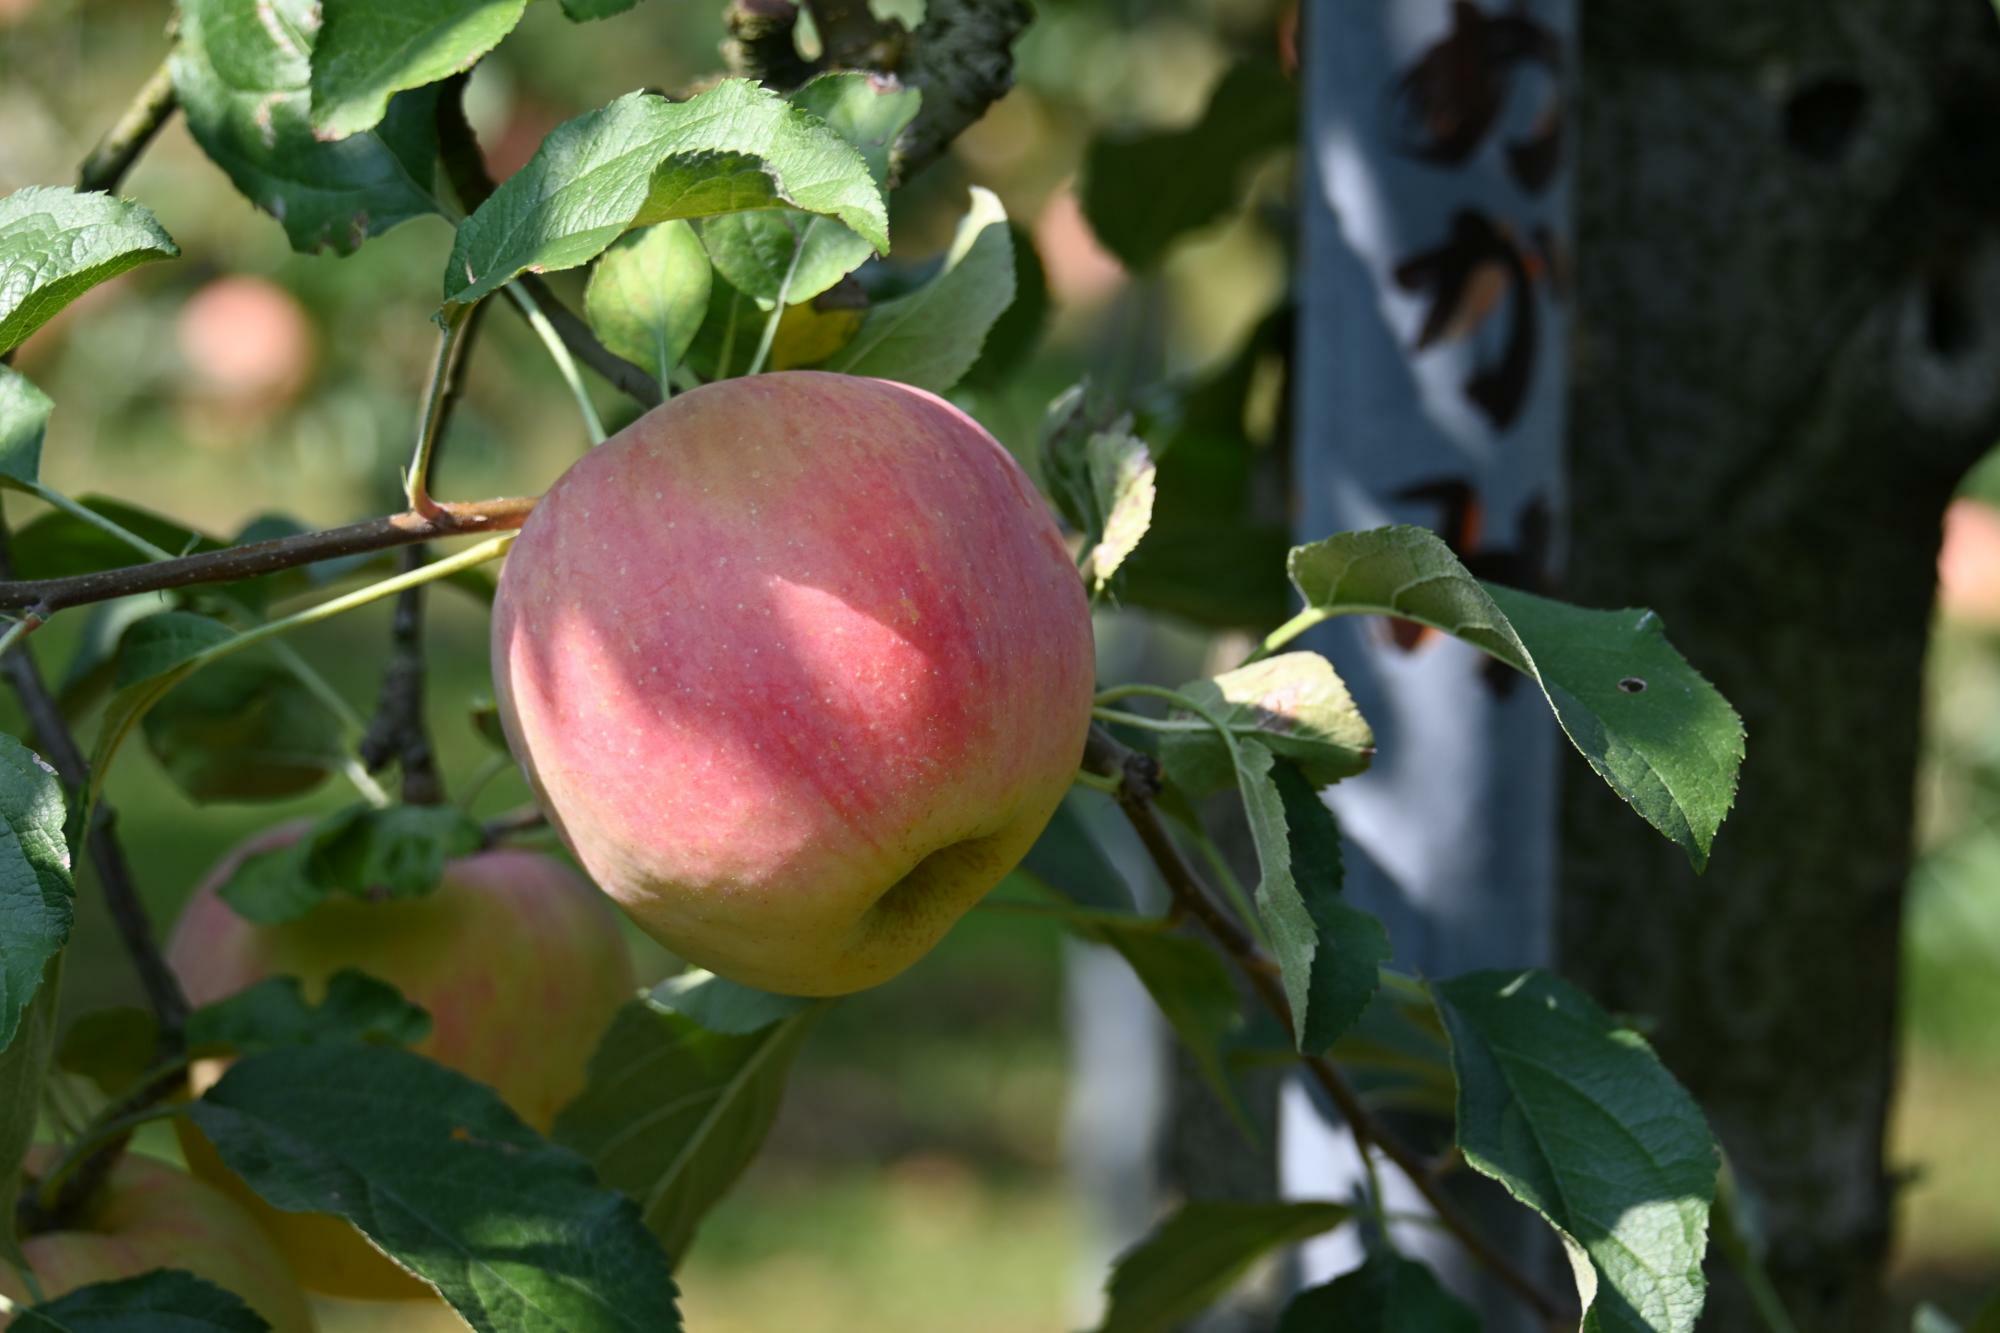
(151, 107)
(1138, 781)
(479, 518)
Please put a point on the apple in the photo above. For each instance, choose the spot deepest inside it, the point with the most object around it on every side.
(151, 1216)
(520, 963)
(799, 667)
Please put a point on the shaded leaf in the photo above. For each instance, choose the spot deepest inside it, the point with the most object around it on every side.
(643, 160)
(513, 1231)
(367, 51)
(24, 419)
(648, 295)
(583, 11)
(111, 1047)
(56, 244)
(1068, 860)
(166, 1300)
(275, 1013)
(1019, 330)
(1293, 703)
(1648, 723)
(399, 851)
(802, 255)
(37, 897)
(242, 71)
(1142, 194)
(674, 1110)
(1580, 1121)
(1347, 960)
(244, 731)
(1387, 1294)
(24, 1065)
(930, 337)
(1196, 1255)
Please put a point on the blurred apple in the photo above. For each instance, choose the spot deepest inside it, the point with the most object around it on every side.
(248, 345)
(1969, 563)
(519, 962)
(799, 666)
(151, 1216)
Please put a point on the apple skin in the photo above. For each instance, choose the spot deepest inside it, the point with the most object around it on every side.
(799, 666)
(152, 1216)
(520, 963)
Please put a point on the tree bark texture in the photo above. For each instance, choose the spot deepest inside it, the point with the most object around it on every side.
(1788, 352)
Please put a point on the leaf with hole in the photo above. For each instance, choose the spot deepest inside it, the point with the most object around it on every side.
(513, 1231)
(56, 244)
(1579, 1120)
(1660, 735)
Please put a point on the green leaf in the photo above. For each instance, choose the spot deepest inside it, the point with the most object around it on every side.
(58, 544)
(166, 1300)
(1067, 859)
(244, 731)
(674, 1110)
(583, 11)
(1347, 960)
(154, 655)
(931, 336)
(369, 50)
(1191, 985)
(112, 1047)
(37, 897)
(275, 1013)
(1280, 906)
(801, 255)
(1293, 703)
(643, 160)
(1581, 1122)
(1648, 723)
(56, 244)
(1142, 194)
(1387, 1294)
(24, 1065)
(1927, 1318)
(1199, 1253)
(396, 852)
(513, 1231)
(24, 418)
(242, 70)
(1121, 481)
(648, 295)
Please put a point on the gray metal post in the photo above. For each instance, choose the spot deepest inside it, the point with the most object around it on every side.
(1431, 389)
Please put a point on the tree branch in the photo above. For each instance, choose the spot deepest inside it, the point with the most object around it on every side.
(151, 107)
(1138, 782)
(760, 44)
(44, 597)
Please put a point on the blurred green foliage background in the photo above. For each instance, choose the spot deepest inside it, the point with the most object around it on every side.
(915, 1179)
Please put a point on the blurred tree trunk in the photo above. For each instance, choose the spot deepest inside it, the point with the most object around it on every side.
(1788, 353)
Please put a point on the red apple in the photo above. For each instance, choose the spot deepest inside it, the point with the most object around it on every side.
(152, 1216)
(800, 667)
(519, 962)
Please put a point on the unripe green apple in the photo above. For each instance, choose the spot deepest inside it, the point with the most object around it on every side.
(799, 666)
(152, 1216)
(519, 962)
